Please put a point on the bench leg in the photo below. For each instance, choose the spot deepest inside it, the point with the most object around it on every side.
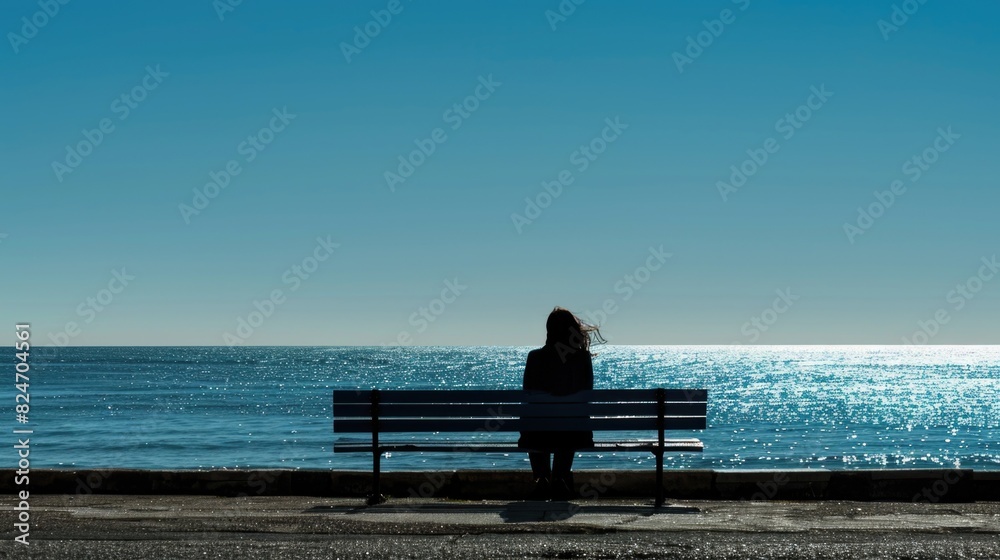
(376, 496)
(659, 479)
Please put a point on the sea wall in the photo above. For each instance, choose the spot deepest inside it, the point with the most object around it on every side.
(933, 486)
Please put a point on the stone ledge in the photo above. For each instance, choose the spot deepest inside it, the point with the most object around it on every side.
(924, 485)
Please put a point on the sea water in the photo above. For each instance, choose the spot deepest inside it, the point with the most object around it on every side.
(835, 407)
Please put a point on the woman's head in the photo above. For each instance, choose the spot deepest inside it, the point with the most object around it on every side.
(567, 332)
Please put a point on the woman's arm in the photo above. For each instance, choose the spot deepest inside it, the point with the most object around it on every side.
(532, 376)
(588, 374)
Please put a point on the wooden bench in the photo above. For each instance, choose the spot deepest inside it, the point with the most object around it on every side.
(379, 412)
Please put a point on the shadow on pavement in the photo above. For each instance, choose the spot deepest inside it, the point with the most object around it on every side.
(513, 512)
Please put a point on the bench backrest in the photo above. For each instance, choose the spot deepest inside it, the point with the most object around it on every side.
(514, 410)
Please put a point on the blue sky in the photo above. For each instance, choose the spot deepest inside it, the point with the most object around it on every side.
(647, 223)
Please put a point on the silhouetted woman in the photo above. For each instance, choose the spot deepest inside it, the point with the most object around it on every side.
(562, 367)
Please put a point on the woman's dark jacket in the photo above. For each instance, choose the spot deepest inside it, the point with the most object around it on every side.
(546, 370)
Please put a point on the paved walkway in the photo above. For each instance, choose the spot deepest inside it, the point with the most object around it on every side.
(161, 527)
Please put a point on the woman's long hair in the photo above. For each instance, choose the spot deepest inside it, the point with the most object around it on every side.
(567, 333)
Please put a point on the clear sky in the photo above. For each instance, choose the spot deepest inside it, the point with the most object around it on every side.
(640, 108)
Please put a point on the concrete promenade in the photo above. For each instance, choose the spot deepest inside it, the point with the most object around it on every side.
(479, 514)
(162, 527)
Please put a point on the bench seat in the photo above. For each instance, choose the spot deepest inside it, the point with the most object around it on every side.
(689, 445)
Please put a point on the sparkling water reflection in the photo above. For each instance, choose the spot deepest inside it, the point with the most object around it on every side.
(841, 407)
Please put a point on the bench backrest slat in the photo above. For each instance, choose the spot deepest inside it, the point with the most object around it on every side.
(482, 410)
(515, 425)
(341, 396)
(515, 410)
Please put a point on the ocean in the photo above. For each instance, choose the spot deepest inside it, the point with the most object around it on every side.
(770, 407)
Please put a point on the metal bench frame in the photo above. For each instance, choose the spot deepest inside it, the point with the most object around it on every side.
(378, 412)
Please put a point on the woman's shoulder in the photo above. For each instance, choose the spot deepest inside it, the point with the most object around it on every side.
(538, 356)
(553, 353)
